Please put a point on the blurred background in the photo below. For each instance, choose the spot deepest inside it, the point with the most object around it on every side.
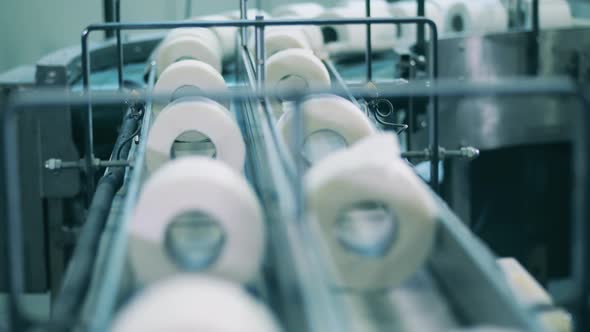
(33, 28)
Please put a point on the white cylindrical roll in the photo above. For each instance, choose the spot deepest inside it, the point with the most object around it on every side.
(186, 74)
(313, 35)
(465, 16)
(327, 112)
(302, 10)
(192, 303)
(406, 35)
(283, 39)
(202, 33)
(552, 14)
(295, 69)
(226, 36)
(183, 45)
(197, 184)
(371, 171)
(201, 115)
(351, 39)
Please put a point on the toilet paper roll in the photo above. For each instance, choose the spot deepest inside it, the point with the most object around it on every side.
(552, 14)
(370, 171)
(192, 303)
(204, 185)
(313, 35)
(351, 39)
(204, 116)
(186, 46)
(282, 38)
(465, 16)
(226, 36)
(188, 74)
(406, 34)
(302, 10)
(295, 69)
(327, 112)
(206, 34)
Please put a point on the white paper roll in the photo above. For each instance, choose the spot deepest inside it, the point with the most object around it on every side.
(351, 39)
(406, 34)
(371, 171)
(226, 36)
(192, 303)
(313, 35)
(183, 44)
(186, 74)
(201, 115)
(282, 38)
(204, 185)
(327, 112)
(202, 33)
(295, 69)
(303, 10)
(465, 16)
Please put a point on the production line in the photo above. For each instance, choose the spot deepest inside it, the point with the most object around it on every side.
(248, 171)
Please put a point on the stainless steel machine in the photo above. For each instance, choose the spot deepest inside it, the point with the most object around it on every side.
(512, 151)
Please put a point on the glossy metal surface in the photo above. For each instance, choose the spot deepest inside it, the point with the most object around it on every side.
(495, 122)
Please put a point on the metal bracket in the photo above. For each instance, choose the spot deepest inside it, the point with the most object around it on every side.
(467, 152)
(55, 164)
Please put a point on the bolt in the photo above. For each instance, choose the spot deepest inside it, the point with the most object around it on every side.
(469, 152)
(53, 164)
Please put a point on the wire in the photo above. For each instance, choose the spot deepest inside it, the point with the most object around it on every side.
(135, 133)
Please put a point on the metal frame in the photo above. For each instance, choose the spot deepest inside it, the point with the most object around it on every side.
(504, 88)
(259, 25)
(548, 87)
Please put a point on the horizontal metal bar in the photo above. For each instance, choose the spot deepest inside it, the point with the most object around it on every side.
(164, 25)
(442, 88)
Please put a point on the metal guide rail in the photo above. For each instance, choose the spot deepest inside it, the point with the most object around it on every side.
(278, 181)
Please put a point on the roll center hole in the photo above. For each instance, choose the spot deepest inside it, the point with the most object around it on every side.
(457, 23)
(320, 143)
(185, 91)
(194, 240)
(330, 34)
(192, 143)
(366, 229)
(291, 84)
(185, 57)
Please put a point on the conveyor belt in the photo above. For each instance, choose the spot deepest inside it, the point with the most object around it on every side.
(400, 309)
(293, 282)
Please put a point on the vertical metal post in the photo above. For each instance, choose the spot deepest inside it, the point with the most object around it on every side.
(244, 16)
(119, 46)
(369, 49)
(581, 207)
(433, 124)
(260, 48)
(89, 138)
(410, 113)
(298, 130)
(108, 15)
(188, 8)
(13, 232)
(420, 34)
(534, 39)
